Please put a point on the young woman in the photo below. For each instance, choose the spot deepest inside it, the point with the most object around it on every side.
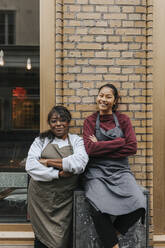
(116, 200)
(54, 161)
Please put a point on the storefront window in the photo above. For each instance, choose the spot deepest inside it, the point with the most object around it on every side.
(19, 102)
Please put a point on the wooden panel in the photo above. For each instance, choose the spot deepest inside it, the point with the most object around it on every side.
(159, 116)
(17, 245)
(16, 234)
(47, 60)
(159, 241)
(26, 227)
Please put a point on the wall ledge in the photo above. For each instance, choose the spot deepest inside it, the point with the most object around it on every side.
(17, 235)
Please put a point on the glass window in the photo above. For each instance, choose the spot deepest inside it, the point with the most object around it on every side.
(7, 27)
(19, 102)
(13, 197)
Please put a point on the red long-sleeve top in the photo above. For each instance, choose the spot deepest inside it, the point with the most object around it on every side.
(120, 147)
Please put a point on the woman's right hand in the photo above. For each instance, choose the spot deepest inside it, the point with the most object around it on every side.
(93, 138)
(65, 174)
(43, 161)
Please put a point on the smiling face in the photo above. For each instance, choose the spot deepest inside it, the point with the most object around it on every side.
(105, 100)
(59, 126)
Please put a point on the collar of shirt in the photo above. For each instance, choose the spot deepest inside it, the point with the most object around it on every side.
(60, 142)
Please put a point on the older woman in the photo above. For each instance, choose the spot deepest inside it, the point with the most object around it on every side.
(54, 161)
(116, 200)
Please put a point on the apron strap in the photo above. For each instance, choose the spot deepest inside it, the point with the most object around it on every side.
(58, 149)
(69, 142)
(114, 117)
(98, 121)
(116, 120)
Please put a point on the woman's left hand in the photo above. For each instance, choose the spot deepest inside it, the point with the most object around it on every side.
(65, 174)
(56, 163)
(93, 138)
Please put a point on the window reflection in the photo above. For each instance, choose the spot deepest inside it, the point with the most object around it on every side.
(19, 99)
(25, 109)
(13, 204)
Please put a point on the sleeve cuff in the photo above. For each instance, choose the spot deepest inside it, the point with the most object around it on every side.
(56, 174)
(65, 164)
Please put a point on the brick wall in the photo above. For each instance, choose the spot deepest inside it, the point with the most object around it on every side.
(108, 41)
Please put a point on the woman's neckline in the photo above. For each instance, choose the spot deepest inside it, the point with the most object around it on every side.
(61, 139)
(106, 117)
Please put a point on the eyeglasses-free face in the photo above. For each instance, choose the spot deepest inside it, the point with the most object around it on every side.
(59, 126)
(105, 100)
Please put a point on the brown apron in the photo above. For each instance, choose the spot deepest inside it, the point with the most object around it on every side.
(50, 203)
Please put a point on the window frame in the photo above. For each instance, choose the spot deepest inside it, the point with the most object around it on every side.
(47, 60)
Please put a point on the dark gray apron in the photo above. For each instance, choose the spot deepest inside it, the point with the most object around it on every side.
(109, 184)
(50, 203)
